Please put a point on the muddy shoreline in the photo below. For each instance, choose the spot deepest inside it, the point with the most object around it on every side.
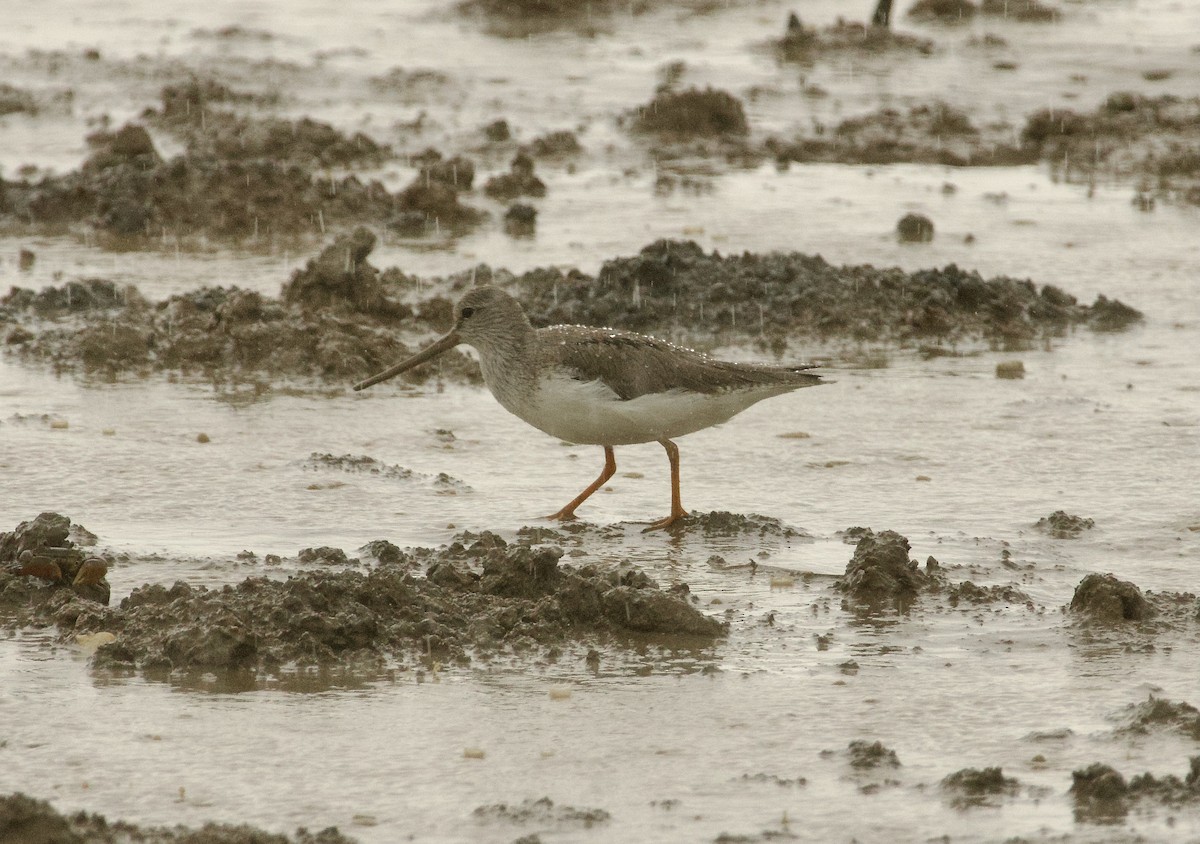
(1015, 653)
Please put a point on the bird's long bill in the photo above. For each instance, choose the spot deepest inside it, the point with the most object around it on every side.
(448, 342)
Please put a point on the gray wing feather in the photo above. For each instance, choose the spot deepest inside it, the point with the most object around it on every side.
(633, 365)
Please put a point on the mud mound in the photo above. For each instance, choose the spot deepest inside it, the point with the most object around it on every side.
(693, 112)
(671, 285)
(31, 821)
(476, 601)
(1103, 599)
(1062, 525)
(880, 572)
(975, 787)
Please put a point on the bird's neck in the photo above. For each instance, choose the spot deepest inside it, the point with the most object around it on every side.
(510, 362)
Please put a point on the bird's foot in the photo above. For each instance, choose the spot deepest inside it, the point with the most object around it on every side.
(675, 518)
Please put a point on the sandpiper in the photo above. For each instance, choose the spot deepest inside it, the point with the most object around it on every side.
(600, 386)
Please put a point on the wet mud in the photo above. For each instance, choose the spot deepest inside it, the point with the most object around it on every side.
(478, 600)
(28, 820)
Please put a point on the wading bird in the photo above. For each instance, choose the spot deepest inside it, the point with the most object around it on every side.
(600, 386)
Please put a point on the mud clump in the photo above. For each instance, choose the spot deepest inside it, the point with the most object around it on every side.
(518, 181)
(15, 100)
(1100, 794)
(1062, 525)
(693, 113)
(431, 203)
(477, 601)
(867, 755)
(520, 220)
(31, 821)
(342, 278)
(975, 787)
(773, 296)
(1103, 599)
(914, 228)
(880, 572)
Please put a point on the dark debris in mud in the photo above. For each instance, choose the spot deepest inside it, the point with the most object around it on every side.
(29, 820)
(477, 601)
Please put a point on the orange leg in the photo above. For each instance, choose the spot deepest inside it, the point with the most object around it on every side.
(677, 511)
(610, 468)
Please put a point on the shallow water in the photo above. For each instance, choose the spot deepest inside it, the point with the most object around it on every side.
(675, 745)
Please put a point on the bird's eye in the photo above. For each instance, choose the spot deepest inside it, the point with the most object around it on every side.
(466, 312)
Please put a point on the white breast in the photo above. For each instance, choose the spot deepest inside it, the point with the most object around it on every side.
(588, 412)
